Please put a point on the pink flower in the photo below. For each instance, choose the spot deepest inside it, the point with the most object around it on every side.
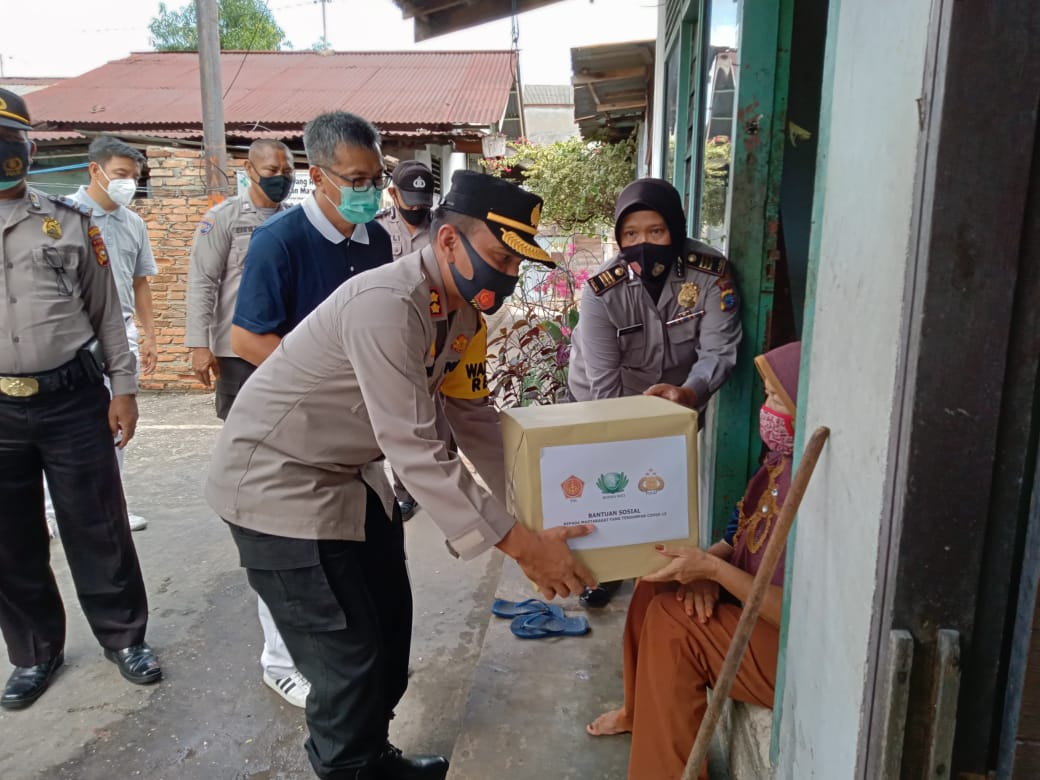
(565, 330)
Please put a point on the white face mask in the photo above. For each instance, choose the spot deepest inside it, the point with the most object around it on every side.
(121, 191)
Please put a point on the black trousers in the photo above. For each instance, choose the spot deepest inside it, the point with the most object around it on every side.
(233, 374)
(344, 610)
(64, 434)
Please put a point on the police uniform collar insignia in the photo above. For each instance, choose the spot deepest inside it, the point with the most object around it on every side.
(52, 227)
(436, 303)
(688, 294)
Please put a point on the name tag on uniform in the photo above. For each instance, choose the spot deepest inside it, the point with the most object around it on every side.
(629, 329)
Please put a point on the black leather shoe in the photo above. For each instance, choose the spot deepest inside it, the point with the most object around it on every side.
(136, 663)
(27, 683)
(391, 764)
(599, 596)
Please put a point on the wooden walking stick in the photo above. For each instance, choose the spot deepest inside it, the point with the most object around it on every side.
(742, 635)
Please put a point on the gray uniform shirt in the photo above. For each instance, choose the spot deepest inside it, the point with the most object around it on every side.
(218, 255)
(357, 379)
(129, 250)
(402, 242)
(57, 292)
(623, 342)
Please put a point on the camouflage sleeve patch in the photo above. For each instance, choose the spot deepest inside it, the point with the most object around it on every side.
(714, 266)
(608, 278)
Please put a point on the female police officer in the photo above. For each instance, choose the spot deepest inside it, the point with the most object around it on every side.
(663, 317)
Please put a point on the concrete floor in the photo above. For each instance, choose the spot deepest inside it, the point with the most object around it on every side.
(211, 717)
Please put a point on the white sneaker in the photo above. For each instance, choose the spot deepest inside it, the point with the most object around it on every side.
(294, 687)
(137, 523)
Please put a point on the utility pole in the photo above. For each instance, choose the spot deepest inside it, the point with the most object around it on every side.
(324, 29)
(213, 137)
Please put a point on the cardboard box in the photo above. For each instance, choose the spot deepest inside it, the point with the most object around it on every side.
(627, 465)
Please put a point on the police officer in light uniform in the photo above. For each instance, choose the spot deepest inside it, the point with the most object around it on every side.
(61, 327)
(662, 318)
(218, 255)
(408, 220)
(297, 472)
(408, 223)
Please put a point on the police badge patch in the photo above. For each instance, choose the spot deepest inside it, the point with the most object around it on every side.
(98, 243)
(204, 227)
(52, 228)
(688, 294)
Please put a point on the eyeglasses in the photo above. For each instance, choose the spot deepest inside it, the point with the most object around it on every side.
(380, 182)
(54, 260)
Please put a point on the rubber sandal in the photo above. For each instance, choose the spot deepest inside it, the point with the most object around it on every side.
(509, 609)
(541, 625)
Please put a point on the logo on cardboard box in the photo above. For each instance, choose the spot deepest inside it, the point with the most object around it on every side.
(612, 482)
(651, 483)
(572, 487)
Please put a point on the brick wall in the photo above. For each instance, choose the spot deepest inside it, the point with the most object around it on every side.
(177, 204)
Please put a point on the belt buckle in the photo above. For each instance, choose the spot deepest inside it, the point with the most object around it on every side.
(19, 386)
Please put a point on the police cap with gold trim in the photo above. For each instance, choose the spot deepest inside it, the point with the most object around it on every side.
(510, 212)
(13, 112)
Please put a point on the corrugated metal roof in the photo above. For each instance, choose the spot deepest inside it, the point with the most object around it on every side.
(548, 95)
(612, 87)
(398, 87)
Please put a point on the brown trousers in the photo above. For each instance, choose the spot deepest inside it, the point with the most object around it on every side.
(670, 661)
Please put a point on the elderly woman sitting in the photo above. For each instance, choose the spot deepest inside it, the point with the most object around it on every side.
(678, 629)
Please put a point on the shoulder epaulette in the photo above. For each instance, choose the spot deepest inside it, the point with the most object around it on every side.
(69, 203)
(608, 278)
(382, 213)
(709, 264)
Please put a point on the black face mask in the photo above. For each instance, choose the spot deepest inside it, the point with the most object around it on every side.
(14, 163)
(414, 217)
(654, 260)
(276, 188)
(488, 288)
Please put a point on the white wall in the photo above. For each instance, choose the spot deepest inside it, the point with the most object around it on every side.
(877, 51)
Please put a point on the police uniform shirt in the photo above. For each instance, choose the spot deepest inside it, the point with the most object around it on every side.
(624, 343)
(294, 262)
(356, 380)
(402, 241)
(129, 250)
(218, 255)
(57, 292)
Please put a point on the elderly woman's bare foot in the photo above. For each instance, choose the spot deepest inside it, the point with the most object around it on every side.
(608, 724)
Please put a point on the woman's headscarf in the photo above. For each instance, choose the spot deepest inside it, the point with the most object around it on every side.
(767, 488)
(652, 195)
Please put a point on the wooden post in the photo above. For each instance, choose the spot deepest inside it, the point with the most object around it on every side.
(215, 150)
(739, 643)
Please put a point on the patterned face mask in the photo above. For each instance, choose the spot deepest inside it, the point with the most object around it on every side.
(777, 430)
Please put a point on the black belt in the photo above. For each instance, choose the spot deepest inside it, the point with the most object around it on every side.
(70, 376)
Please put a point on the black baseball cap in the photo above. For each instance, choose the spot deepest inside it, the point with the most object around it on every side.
(414, 181)
(510, 212)
(13, 112)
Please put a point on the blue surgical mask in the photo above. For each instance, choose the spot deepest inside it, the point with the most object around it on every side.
(14, 163)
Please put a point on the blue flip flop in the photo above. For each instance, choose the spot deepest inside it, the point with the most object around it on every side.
(541, 625)
(510, 609)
